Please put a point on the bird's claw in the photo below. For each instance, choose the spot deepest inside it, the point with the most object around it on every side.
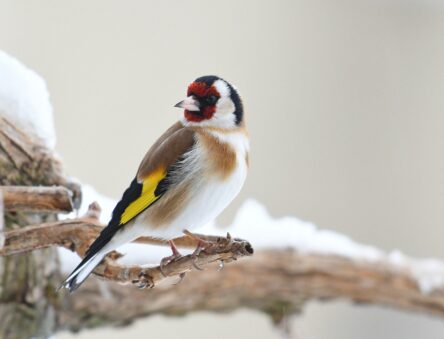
(144, 281)
(167, 260)
(202, 245)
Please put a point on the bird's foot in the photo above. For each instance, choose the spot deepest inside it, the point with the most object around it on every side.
(202, 245)
(175, 256)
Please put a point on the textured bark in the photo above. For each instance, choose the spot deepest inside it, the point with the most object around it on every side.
(2, 221)
(77, 235)
(55, 199)
(28, 281)
(25, 161)
(278, 282)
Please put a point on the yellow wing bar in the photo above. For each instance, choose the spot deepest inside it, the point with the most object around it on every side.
(146, 198)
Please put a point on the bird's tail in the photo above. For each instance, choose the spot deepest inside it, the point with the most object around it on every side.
(109, 239)
(84, 269)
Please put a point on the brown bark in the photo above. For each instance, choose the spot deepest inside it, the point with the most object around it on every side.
(278, 282)
(55, 199)
(2, 221)
(25, 161)
(77, 235)
(274, 281)
(26, 306)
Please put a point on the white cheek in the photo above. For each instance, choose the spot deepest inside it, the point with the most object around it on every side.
(225, 106)
(224, 117)
(222, 88)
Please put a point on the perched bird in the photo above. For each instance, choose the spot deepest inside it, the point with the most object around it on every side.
(190, 174)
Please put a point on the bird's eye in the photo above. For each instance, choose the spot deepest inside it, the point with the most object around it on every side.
(211, 100)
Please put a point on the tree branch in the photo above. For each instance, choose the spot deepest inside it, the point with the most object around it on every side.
(2, 221)
(27, 281)
(278, 282)
(77, 235)
(25, 161)
(54, 199)
(275, 281)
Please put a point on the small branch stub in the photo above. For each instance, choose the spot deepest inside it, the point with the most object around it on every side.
(37, 199)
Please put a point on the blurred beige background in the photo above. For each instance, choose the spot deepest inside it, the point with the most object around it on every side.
(345, 106)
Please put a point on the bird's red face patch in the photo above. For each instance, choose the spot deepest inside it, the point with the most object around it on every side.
(201, 90)
(203, 93)
(198, 89)
(198, 116)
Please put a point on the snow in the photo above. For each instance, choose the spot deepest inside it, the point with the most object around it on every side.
(24, 99)
(254, 223)
(429, 273)
(89, 195)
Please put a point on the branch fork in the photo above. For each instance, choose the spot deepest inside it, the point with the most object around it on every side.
(78, 234)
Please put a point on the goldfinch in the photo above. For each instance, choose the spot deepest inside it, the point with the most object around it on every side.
(186, 179)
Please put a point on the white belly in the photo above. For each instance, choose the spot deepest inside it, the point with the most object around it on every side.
(210, 197)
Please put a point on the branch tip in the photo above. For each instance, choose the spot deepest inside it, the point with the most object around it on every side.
(94, 211)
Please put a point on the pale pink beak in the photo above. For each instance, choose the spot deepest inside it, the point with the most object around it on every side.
(190, 104)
